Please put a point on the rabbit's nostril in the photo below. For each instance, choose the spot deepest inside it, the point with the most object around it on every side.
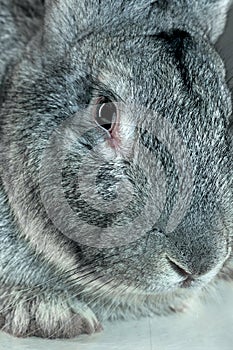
(180, 270)
(188, 282)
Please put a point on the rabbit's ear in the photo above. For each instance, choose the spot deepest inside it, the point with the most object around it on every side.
(58, 23)
(64, 22)
(213, 15)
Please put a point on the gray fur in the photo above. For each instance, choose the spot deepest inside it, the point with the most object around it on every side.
(157, 57)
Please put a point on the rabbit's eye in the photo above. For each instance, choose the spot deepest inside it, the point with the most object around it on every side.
(106, 114)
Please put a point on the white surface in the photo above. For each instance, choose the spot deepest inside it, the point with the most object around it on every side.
(206, 326)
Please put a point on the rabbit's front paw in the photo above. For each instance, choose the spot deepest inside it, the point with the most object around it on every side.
(46, 316)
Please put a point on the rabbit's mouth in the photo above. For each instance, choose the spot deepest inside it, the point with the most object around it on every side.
(190, 283)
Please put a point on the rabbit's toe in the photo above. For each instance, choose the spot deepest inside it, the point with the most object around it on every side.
(49, 317)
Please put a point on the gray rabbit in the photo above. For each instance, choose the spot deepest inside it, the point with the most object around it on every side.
(116, 161)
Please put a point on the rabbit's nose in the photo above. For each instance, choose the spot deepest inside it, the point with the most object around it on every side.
(188, 278)
(178, 269)
(194, 251)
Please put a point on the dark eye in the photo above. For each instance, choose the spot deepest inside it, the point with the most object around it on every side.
(106, 114)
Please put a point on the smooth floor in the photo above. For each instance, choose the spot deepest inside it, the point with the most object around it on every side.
(207, 325)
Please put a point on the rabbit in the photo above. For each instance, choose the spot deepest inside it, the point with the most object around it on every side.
(116, 161)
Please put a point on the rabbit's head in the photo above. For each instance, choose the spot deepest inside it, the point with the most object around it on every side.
(117, 121)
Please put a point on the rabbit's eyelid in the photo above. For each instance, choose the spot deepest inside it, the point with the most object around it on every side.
(93, 102)
(106, 94)
(100, 89)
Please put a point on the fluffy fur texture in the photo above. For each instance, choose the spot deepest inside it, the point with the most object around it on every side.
(157, 61)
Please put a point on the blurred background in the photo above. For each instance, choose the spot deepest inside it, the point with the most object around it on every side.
(225, 46)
